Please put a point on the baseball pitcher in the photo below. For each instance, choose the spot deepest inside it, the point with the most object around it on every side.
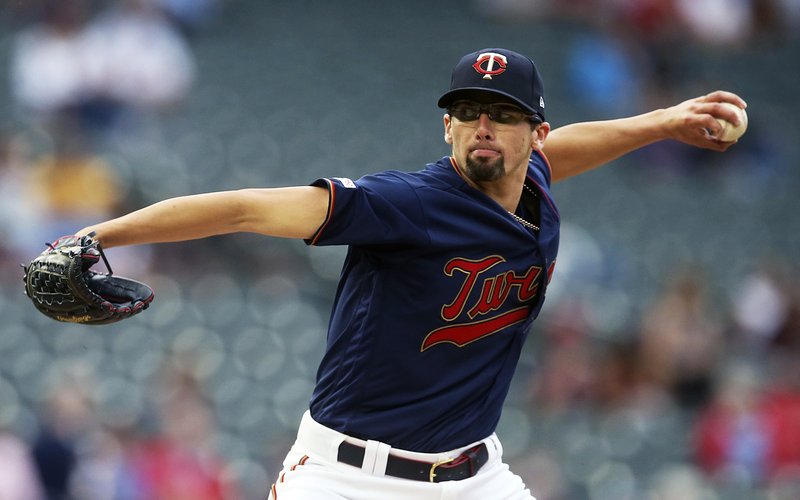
(447, 268)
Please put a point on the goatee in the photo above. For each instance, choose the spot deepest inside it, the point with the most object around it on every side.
(485, 170)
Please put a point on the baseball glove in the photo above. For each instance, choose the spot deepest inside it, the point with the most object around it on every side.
(61, 286)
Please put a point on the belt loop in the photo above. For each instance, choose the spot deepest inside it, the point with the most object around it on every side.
(370, 453)
(381, 459)
(376, 456)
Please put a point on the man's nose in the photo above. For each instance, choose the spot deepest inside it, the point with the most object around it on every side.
(485, 128)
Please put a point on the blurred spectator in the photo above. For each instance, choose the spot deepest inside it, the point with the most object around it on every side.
(168, 455)
(649, 19)
(782, 405)
(179, 461)
(565, 378)
(73, 186)
(767, 18)
(733, 435)
(52, 65)
(171, 467)
(762, 307)
(63, 189)
(20, 214)
(655, 28)
(621, 386)
(718, 22)
(18, 478)
(103, 472)
(750, 434)
(606, 72)
(65, 419)
(95, 69)
(681, 339)
(146, 63)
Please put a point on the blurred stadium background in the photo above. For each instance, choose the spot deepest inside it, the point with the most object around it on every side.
(666, 363)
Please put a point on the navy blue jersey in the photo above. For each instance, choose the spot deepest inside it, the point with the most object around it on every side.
(437, 294)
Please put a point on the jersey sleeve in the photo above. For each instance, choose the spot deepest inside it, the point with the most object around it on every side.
(540, 164)
(379, 209)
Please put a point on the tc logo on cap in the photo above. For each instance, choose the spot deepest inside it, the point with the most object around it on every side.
(485, 64)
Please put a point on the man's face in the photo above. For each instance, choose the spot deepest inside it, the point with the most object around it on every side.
(490, 138)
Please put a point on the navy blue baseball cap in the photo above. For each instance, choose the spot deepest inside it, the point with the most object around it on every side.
(497, 71)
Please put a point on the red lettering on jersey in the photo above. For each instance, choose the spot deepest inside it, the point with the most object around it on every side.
(472, 268)
(496, 290)
(494, 293)
(464, 334)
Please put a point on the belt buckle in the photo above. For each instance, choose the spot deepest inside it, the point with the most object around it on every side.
(432, 473)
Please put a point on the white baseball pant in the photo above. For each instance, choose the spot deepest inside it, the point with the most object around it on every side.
(311, 471)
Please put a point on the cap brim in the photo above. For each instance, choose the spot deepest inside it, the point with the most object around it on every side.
(475, 93)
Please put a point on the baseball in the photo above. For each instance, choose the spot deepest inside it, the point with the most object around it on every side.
(731, 132)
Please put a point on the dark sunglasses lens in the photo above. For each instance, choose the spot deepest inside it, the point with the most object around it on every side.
(506, 115)
(465, 112)
(503, 114)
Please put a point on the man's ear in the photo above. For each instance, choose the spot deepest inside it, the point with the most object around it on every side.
(539, 135)
(448, 135)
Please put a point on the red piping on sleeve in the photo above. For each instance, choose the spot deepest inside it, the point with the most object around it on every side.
(331, 201)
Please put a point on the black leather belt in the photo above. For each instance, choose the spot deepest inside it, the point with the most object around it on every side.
(461, 467)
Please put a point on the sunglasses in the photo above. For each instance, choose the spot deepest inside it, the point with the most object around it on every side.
(507, 114)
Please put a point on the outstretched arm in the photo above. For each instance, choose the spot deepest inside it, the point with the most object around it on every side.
(576, 148)
(291, 212)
